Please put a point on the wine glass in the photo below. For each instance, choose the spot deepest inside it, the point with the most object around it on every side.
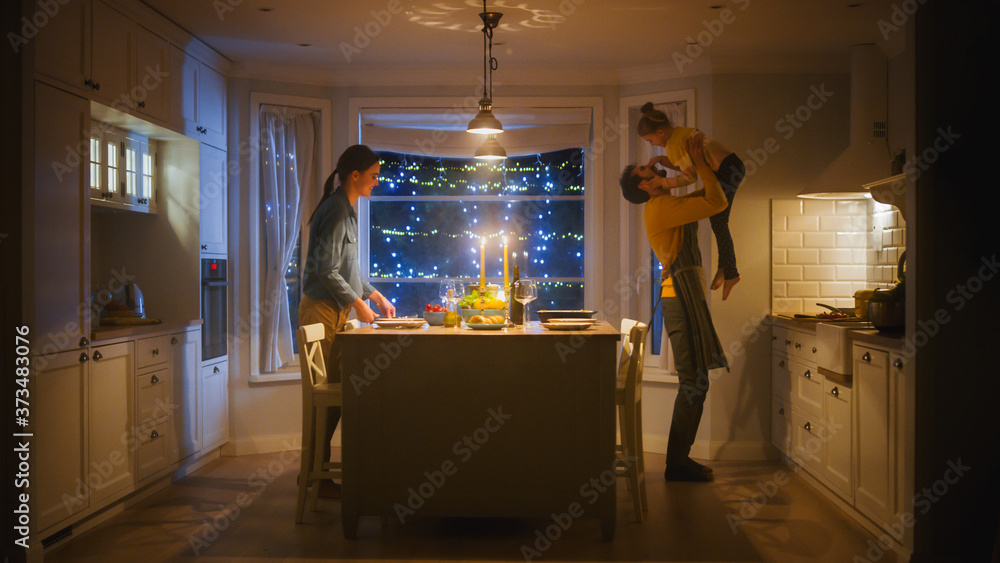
(525, 292)
(446, 285)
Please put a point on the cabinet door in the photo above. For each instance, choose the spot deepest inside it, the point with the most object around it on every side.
(215, 404)
(59, 454)
(184, 70)
(214, 179)
(809, 440)
(113, 61)
(152, 86)
(154, 402)
(111, 468)
(212, 106)
(153, 453)
(872, 456)
(60, 220)
(839, 465)
(185, 359)
(62, 45)
(807, 389)
(781, 425)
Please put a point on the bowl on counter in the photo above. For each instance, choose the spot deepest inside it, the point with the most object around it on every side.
(546, 314)
(887, 316)
(469, 313)
(434, 319)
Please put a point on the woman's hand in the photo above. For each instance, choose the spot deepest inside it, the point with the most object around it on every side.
(363, 311)
(386, 307)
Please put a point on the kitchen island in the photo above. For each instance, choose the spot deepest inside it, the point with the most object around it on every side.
(448, 422)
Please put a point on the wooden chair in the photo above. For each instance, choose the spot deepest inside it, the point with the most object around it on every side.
(317, 395)
(628, 398)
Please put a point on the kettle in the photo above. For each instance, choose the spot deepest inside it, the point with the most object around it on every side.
(134, 300)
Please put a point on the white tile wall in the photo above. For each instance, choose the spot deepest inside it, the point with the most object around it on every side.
(818, 253)
(825, 250)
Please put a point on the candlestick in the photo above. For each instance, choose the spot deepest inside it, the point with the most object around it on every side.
(482, 267)
(506, 276)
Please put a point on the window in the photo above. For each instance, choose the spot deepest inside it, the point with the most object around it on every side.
(276, 241)
(122, 167)
(428, 216)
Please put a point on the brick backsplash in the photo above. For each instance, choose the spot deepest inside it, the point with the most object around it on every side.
(823, 251)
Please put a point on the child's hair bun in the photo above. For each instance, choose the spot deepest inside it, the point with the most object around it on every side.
(651, 113)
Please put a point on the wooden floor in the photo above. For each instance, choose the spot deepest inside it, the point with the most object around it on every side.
(200, 518)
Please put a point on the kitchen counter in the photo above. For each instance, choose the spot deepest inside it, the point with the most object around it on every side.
(893, 340)
(105, 334)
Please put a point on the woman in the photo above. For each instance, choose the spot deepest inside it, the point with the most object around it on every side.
(656, 129)
(332, 286)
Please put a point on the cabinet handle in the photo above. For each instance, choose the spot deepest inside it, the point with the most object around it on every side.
(867, 357)
(174, 340)
(798, 345)
(141, 104)
(835, 392)
(807, 427)
(83, 357)
(814, 349)
(808, 374)
(154, 435)
(156, 351)
(773, 338)
(98, 355)
(154, 380)
(788, 342)
(84, 341)
(204, 247)
(781, 364)
(898, 364)
(215, 369)
(781, 410)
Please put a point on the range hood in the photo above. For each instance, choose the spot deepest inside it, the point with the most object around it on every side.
(866, 158)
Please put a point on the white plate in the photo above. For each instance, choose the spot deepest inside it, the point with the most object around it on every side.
(486, 326)
(400, 322)
(567, 325)
(587, 322)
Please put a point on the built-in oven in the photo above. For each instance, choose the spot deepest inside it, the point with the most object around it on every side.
(214, 308)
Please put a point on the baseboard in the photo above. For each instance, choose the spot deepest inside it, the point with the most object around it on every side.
(251, 445)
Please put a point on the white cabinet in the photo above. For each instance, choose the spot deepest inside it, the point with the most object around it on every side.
(58, 209)
(62, 46)
(197, 99)
(214, 175)
(151, 93)
(185, 360)
(215, 404)
(112, 466)
(59, 454)
(154, 406)
(112, 69)
(873, 448)
(838, 466)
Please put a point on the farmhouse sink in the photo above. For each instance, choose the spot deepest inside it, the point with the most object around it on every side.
(833, 346)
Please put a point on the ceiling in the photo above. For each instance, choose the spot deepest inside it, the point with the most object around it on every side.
(564, 35)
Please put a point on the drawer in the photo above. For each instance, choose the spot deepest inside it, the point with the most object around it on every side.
(781, 377)
(807, 388)
(809, 442)
(152, 351)
(153, 453)
(804, 346)
(779, 335)
(781, 424)
(153, 397)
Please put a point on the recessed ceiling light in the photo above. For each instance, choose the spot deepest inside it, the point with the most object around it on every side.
(305, 44)
(264, 9)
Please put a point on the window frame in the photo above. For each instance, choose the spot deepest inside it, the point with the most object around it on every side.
(593, 287)
(290, 371)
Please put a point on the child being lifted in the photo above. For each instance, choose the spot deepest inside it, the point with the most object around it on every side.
(656, 129)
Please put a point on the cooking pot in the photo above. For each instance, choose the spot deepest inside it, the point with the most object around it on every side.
(887, 316)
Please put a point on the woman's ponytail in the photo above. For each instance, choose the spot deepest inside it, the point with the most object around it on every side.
(355, 158)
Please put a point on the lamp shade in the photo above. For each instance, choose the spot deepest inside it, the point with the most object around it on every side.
(485, 123)
(491, 149)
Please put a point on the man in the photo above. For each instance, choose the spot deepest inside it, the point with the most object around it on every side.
(672, 231)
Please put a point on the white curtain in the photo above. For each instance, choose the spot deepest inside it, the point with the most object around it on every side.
(288, 149)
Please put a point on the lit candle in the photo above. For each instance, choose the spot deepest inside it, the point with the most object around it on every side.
(482, 263)
(506, 276)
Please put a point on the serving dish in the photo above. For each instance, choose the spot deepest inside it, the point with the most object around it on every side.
(400, 322)
(487, 326)
(567, 325)
(546, 314)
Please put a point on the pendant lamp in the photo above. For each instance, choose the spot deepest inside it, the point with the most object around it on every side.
(485, 123)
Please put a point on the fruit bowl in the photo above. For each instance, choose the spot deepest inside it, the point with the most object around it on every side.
(434, 319)
(469, 313)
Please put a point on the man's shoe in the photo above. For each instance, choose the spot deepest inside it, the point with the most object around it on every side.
(686, 473)
(329, 489)
(699, 467)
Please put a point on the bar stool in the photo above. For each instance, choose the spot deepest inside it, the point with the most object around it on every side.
(628, 398)
(317, 395)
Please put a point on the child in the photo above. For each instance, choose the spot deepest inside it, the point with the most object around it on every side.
(655, 128)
